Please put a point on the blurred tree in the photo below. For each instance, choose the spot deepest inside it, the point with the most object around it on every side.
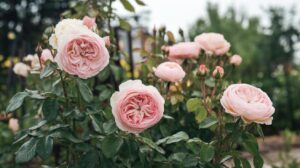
(23, 21)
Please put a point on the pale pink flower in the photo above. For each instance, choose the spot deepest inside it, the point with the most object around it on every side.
(46, 55)
(183, 50)
(136, 106)
(203, 69)
(249, 102)
(169, 71)
(213, 43)
(21, 69)
(89, 22)
(82, 53)
(218, 72)
(13, 124)
(235, 60)
(107, 41)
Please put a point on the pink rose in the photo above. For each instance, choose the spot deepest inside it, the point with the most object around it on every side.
(169, 71)
(46, 55)
(82, 53)
(235, 60)
(203, 69)
(13, 124)
(213, 43)
(183, 50)
(218, 72)
(249, 102)
(89, 22)
(21, 69)
(136, 107)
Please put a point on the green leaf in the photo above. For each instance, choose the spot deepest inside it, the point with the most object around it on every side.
(44, 147)
(193, 104)
(171, 37)
(111, 145)
(250, 144)
(207, 152)
(259, 130)
(66, 134)
(140, 2)
(90, 160)
(153, 145)
(208, 122)
(48, 70)
(124, 24)
(245, 163)
(258, 161)
(96, 122)
(16, 101)
(105, 94)
(85, 91)
(179, 157)
(38, 125)
(109, 127)
(179, 136)
(127, 5)
(201, 114)
(27, 151)
(50, 109)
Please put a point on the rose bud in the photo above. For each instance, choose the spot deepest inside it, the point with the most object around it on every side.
(13, 124)
(203, 69)
(46, 55)
(89, 22)
(236, 60)
(107, 41)
(21, 69)
(218, 72)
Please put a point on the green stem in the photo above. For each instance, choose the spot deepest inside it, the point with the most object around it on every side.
(64, 88)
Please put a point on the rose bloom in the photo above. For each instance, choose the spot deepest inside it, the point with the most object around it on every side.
(236, 60)
(169, 71)
(13, 124)
(213, 43)
(89, 22)
(64, 27)
(46, 55)
(203, 69)
(21, 69)
(82, 53)
(249, 102)
(218, 71)
(136, 106)
(183, 50)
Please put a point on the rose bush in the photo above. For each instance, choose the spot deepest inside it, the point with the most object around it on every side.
(86, 111)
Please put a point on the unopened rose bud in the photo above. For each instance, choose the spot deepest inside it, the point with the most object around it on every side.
(13, 124)
(89, 22)
(107, 41)
(236, 60)
(218, 72)
(46, 55)
(39, 50)
(203, 69)
(21, 69)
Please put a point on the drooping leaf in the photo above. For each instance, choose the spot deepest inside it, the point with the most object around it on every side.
(44, 147)
(153, 145)
(111, 145)
(258, 161)
(85, 91)
(179, 136)
(50, 109)
(16, 101)
(208, 122)
(127, 5)
(48, 70)
(27, 151)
